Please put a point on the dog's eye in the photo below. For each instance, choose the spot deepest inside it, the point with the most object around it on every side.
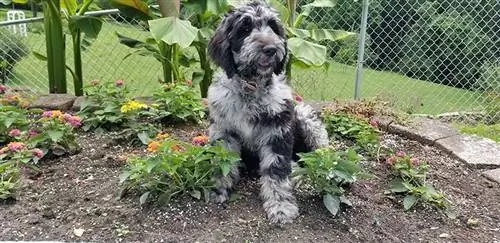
(274, 26)
(246, 25)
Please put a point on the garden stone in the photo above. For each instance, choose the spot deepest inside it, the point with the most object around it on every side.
(77, 105)
(493, 175)
(472, 149)
(426, 130)
(61, 102)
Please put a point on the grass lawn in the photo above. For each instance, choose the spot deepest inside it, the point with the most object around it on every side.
(488, 131)
(104, 61)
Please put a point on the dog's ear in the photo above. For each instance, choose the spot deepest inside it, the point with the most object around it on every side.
(219, 47)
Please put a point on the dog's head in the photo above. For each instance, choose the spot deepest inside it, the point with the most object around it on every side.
(250, 41)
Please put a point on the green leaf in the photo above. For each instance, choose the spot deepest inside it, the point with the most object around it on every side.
(332, 203)
(309, 53)
(70, 6)
(40, 56)
(397, 186)
(282, 10)
(226, 168)
(173, 30)
(196, 194)
(89, 25)
(321, 4)
(124, 176)
(55, 136)
(330, 34)
(143, 198)
(346, 201)
(409, 201)
(144, 137)
(133, 8)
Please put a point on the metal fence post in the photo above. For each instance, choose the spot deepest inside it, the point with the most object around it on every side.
(361, 49)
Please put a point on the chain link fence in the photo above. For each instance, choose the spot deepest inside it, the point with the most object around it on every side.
(423, 56)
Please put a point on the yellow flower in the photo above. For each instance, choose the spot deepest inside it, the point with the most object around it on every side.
(162, 136)
(132, 105)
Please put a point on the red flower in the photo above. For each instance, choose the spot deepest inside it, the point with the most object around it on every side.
(3, 88)
(14, 132)
(75, 121)
(391, 160)
(33, 132)
(119, 83)
(200, 140)
(298, 98)
(38, 152)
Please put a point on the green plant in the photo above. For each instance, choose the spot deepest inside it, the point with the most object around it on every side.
(305, 52)
(55, 133)
(329, 172)
(105, 105)
(411, 181)
(73, 12)
(488, 131)
(345, 126)
(11, 117)
(178, 102)
(13, 157)
(12, 50)
(174, 168)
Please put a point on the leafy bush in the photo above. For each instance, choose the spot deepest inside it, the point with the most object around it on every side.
(490, 78)
(411, 181)
(174, 168)
(329, 172)
(11, 118)
(102, 107)
(13, 157)
(349, 127)
(54, 133)
(12, 50)
(178, 102)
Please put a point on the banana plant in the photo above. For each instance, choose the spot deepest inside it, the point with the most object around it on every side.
(303, 44)
(73, 11)
(172, 36)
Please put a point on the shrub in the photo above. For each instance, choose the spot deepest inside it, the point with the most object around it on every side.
(11, 118)
(174, 168)
(329, 172)
(490, 78)
(12, 50)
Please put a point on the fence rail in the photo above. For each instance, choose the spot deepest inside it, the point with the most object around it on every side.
(423, 56)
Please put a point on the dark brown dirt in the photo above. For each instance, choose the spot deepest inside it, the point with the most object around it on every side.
(80, 193)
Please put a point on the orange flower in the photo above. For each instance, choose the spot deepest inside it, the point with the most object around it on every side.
(153, 146)
(162, 136)
(200, 140)
(177, 147)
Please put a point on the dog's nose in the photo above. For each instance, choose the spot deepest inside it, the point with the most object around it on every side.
(270, 50)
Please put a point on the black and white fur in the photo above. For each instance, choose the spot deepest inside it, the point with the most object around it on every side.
(252, 110)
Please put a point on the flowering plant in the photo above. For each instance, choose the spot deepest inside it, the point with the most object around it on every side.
(55, 132)
(14, 156)
(173, 167)
(102, 107)
(11, 118)
(411, 181)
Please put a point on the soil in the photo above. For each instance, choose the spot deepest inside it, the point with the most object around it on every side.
(75, 199)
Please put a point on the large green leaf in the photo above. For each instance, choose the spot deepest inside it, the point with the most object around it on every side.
(409, 201)
(321, 4)
(70, 6)
(173, 30)
(309, 53)
(89, 25)
(282, 10)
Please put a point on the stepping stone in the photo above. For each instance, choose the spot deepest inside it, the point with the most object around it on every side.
(61, 102)
(473, 150)
(493, 175)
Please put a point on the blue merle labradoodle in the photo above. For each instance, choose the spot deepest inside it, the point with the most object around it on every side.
(252, 110)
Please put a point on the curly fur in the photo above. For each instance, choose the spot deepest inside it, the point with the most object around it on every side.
(252, 110)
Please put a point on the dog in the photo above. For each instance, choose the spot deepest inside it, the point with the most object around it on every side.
(252, 110)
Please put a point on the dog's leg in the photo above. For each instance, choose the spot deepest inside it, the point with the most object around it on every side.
(223, 184)
(276, 189)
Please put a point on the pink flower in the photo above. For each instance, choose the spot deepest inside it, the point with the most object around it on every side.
(119, 83)
(37, 152)
(4, 150)
(33, 132)
(3, 88)
(374, 123)
(200, 140)
(66, 116)
(400, 154)
(74, 121)
(47, 114)
(391, 160)
(16, 146)
(189, 82)
(415, 162)
(298, 98)
(94, 82)
(14, 132)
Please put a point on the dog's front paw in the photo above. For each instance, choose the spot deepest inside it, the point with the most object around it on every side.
(281, 212)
